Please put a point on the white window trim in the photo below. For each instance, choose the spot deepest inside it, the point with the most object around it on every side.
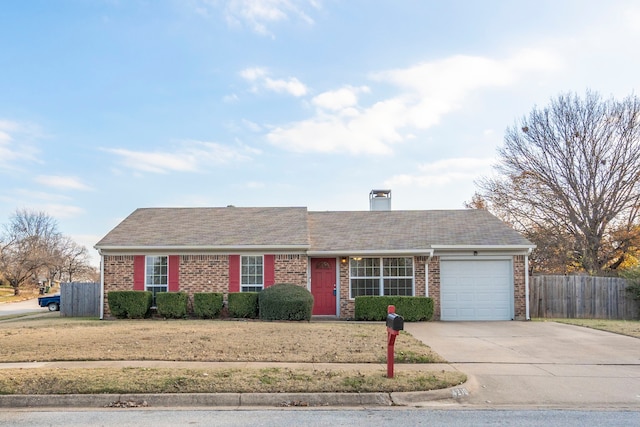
(261, 286)
(149, 287)
(381, 277)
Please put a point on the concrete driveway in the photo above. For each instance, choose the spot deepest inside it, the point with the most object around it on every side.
(539, 364)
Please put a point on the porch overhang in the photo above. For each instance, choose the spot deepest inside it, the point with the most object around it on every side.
(520, 249)
(371, 252)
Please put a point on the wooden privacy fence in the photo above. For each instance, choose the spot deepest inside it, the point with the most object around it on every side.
(581, 297)
(80, 299)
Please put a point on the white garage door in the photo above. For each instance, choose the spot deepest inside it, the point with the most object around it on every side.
(476, 290)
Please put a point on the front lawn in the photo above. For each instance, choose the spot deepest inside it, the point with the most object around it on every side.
(51, 338)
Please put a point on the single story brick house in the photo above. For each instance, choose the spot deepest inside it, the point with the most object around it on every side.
(473, 265)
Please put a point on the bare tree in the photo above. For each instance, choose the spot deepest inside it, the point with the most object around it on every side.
(572, 171)
(27, 247)
(74, 261)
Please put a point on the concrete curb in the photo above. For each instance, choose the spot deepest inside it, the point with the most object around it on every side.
(195, 400)
(229, 399)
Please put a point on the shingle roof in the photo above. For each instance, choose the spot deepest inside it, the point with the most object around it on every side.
(210, 227)
(408, 230)
(316, 231)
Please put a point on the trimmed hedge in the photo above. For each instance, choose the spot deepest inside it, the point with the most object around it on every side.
(130, 304)
(243, 305)
(285, 302)
(412, 309)
(172, 305)
(207, 305)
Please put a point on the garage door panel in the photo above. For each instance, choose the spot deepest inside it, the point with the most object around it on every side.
(476, 290)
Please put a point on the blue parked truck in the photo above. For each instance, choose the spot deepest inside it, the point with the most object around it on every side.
(52, 302)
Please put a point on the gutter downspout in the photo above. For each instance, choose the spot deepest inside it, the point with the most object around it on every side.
(526, 285)
(101, 284)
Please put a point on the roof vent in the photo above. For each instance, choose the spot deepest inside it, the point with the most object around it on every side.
(380, 200)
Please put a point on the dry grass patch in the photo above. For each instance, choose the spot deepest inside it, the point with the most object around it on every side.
(7, 294)
(58, 339)
(268, 380)
(52, 338)
(623, 327)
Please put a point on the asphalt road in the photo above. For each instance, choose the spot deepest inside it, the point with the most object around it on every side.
(22, 307)
(317, 417)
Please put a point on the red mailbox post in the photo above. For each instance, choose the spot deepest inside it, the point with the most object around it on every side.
(395, 324)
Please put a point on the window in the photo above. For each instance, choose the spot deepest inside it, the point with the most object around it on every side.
(251, 274)
(381, 276)
(156, 275)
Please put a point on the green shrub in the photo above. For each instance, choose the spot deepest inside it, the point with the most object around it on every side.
(172, 305)
(243, 305)
(207, 305)
(285, 302)
(412, 309)
(130, 304)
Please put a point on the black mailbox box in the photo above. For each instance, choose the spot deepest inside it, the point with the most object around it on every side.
(395, 322)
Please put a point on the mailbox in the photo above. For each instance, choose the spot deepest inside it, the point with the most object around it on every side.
(395, 322)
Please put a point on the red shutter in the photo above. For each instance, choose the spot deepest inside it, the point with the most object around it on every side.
(174, 273)
(138, 272)
(234, 273)
(269, 270)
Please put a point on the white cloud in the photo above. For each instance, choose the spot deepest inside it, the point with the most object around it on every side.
(341, 99)
(16, 144)
(252, 126)
(63, 211)
(424, 94)
(260, 15)
(328, 134)
(444, 172)
(291, 86)
(19, 195)
(188, 156)
(61, 182)
(253, 74)
(260, 79)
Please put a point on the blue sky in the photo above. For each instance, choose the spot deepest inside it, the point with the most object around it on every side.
(111, 105)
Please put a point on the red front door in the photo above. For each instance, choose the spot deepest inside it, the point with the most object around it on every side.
(323, 285)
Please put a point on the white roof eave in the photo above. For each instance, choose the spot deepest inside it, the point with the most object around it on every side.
(216, 248)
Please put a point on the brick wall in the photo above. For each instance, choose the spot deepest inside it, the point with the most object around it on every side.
(419, 264)
(118, 276)
(347, 306)
(434, 285)
(520, 298)
(210, 273)
(204, 273)
(201, 273)
(291, 269)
